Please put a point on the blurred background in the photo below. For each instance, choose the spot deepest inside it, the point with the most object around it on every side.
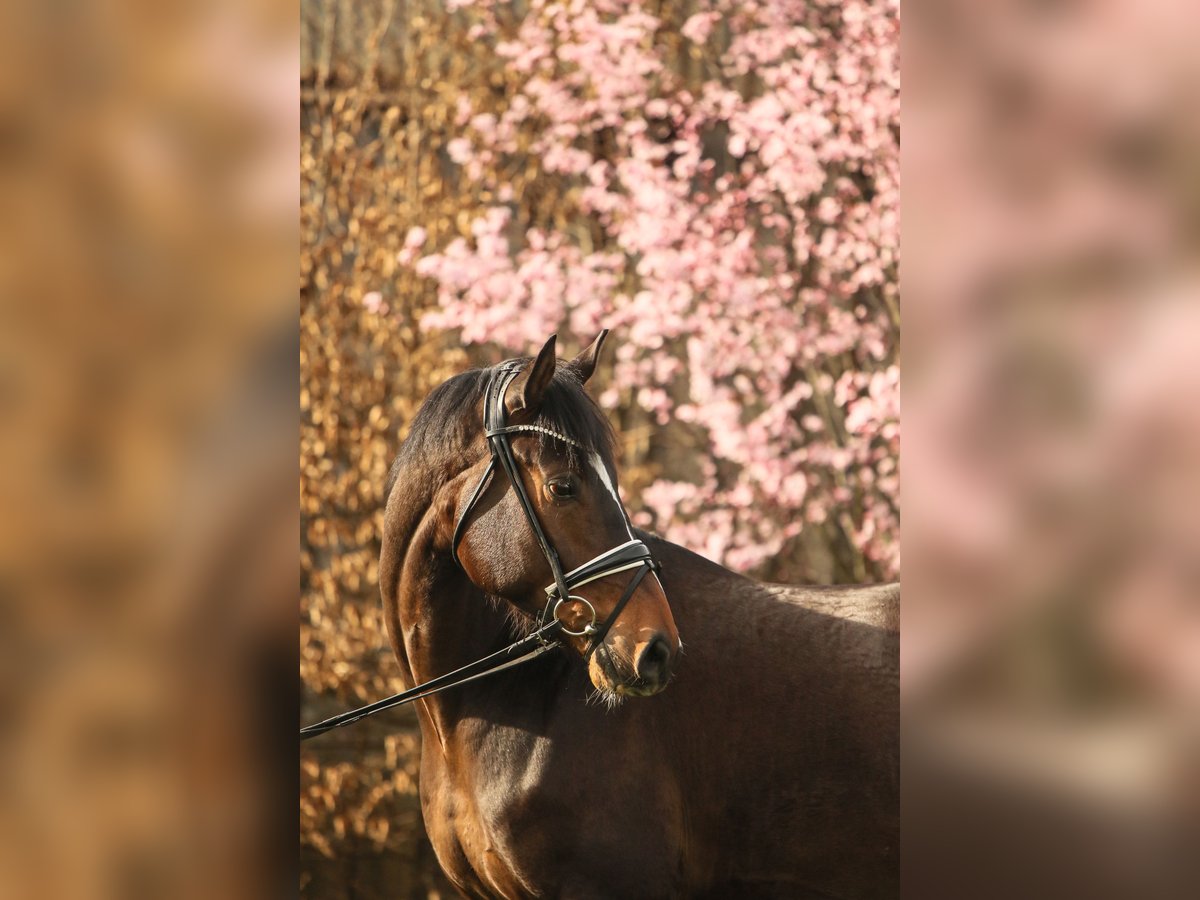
(1051, 623)
(715, 182)
(148, 514)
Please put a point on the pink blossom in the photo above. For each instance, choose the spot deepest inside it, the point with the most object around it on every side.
(753, 304)
(698, 26)
(459, 150)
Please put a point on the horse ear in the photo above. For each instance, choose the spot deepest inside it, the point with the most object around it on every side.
(585, 363)
(528, 388)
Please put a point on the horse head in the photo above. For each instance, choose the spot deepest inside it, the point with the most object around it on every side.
(562, 447)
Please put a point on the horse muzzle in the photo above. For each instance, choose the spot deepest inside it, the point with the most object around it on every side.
(643, 673)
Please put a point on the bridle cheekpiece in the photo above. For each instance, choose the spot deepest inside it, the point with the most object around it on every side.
(633, 554)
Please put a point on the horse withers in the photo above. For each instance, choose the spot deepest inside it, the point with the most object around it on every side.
(761, 762)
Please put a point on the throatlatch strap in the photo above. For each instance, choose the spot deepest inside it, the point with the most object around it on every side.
(461, 525)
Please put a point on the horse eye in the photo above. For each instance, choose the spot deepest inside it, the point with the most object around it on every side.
(561, 490)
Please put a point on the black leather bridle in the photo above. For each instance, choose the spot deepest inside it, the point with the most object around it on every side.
(633, 554)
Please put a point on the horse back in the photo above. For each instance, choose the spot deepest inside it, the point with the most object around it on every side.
(877, 605)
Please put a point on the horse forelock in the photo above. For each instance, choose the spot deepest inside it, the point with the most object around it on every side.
(568, 409)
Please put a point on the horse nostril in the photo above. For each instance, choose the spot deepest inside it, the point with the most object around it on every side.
(653, 661)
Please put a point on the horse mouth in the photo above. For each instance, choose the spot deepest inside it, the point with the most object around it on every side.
(612, 685)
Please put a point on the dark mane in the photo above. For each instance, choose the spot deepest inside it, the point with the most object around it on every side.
(449, 424)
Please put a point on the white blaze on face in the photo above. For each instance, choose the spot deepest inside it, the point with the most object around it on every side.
(602, 473)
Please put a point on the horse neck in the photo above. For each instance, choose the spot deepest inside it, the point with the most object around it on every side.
(438, 621)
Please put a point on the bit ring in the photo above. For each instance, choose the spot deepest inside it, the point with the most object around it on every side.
(587, 629)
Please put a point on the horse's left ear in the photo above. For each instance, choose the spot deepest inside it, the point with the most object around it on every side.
(585, 363)
(529, 387)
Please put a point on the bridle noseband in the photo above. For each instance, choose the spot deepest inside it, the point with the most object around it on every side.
(633, 554)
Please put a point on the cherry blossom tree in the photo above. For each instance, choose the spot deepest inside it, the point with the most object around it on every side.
(728, 203)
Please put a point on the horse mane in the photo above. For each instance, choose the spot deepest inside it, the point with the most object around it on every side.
(449, 425)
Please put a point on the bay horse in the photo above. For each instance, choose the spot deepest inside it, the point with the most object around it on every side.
(763, 761)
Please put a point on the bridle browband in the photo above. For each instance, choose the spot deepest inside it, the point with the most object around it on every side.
(633, 554)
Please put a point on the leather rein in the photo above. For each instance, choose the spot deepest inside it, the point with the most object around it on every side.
(631, 555)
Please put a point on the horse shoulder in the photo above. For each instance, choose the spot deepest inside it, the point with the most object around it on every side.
(471, 807)
(557, 815)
